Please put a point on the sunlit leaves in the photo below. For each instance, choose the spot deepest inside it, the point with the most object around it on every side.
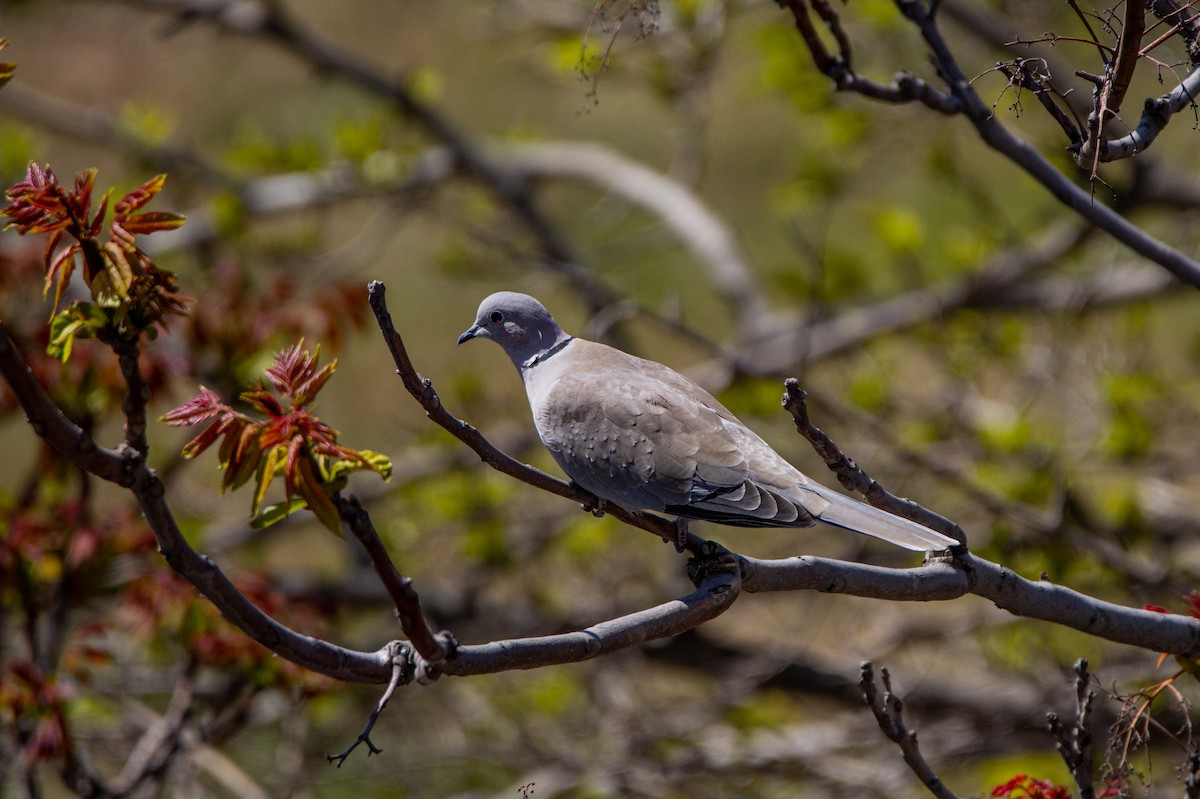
(290, 441)
(120, 278)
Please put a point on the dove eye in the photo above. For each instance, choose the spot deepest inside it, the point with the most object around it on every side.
(497, 317)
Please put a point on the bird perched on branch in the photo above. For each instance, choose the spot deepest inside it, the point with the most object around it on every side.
(638, 434)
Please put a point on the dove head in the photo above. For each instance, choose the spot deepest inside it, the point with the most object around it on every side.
(520, 325)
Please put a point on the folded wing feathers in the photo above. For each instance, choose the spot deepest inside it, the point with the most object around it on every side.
(658, 441)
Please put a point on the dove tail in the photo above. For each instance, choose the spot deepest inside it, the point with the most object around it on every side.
(862, 518)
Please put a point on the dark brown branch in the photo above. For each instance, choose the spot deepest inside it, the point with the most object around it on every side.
(999, 138)
(1074, 741)
(137, 394)
(888, 710)
(50, 423)
(853, 477)
(905, 88)
(1129, 47)
(423, 391)
(433, 648)
(1019, 74)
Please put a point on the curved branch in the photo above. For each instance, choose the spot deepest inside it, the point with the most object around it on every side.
(50, 423)
(1019, 152)
(999, 138)
(714, 594)
(1155, 116)
(702, 231)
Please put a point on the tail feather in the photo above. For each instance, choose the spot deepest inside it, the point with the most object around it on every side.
(842, 511)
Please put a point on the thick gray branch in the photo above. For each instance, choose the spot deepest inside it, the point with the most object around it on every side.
(948, 579)
(1155, 116)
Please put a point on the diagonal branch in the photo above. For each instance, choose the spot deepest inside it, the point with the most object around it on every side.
(965, 100)
(423, 391)
(270, 21)
(852, 476)
(433, 648)
(50, 423)
(888, 710)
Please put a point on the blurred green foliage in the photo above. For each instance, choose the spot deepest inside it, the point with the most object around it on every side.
(834, 202)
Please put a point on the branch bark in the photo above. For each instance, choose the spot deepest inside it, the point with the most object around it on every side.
(999, 138)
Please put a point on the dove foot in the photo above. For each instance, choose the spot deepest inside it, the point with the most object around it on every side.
(712, 559)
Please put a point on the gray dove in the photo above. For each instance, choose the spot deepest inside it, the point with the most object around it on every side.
(640, 435)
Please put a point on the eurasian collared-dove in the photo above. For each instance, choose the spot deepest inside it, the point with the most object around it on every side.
(638, 434)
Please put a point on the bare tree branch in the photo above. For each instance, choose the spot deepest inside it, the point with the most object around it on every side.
(50, 423)
(433, 648)
(1155, 116)
(1074, 741)
(851, 476)
(989, 128)
(949, 579)
(888, 710)
(698, 228)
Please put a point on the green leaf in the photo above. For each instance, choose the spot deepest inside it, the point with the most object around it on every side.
(277, 512)
(375, 462)
(79, 319)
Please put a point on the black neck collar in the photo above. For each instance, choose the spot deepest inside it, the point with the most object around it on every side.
(544, 354)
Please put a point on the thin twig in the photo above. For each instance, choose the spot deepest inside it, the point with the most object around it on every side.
(433, 648)
(401, 673)
(423, 391)
(852, 476)
(1074, 741)
(888, 710)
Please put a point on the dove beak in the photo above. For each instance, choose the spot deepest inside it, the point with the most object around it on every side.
(469, 334)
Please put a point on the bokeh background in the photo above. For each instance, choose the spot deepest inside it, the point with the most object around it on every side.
(1052, 415)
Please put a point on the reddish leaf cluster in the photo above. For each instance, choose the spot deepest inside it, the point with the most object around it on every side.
(28, 693)
(119, 276)
(291, 439)
(1022, 785)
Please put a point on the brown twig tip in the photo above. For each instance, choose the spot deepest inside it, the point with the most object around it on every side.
(853, 477)
(407, 603)
(1074, 741)
(888, 710)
